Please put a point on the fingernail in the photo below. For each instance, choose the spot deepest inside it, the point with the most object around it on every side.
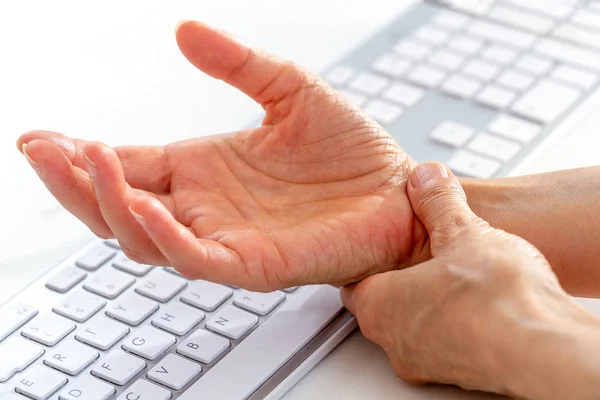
(427, 172)
(137, 216)
(90, 166)
(36, 167)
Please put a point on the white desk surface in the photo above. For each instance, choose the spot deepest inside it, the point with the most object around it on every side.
(111, 71)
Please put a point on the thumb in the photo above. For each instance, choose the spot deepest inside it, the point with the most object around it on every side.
(439, 201)
(262, 76)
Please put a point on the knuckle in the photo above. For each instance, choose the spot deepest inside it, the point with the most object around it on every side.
(407, 372)
(368, 314)
(442, 193)
(367, 329)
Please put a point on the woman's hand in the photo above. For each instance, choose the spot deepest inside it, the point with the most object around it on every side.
(317, 194)
(485, 313)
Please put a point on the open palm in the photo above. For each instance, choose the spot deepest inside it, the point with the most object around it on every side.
(315, 195)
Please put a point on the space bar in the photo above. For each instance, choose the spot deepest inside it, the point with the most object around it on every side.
(270, 346)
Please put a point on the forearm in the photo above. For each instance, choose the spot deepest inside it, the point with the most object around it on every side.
(556, 357)
(558, 212)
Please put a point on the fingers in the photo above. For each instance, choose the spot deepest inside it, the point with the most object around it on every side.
(263, 77)
(439, 202)
(194, 258)
(380, 301)
(70, 185)
(106, 174)
(145, 167)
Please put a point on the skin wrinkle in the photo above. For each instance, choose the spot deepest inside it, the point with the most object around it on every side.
(351, 178)
(168, 182)
(252, 224)
(278, 116)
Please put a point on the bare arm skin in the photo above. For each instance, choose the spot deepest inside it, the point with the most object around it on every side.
(558, 212)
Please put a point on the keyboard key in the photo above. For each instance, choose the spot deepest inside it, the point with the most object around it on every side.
(12, 396)
(339, 75)
(453, 134)
(502, 34)
(109, 283)
(258, 303)
(461, 86)
(88, 388)
(79, 306)
(431, 34)
(48, 329)
(174, 372)
(15, 317)
(569, 54)
(16, 354)
(172, 270)
(144, 390)
(514, 128)
(148, 342)
(114, 243)
(203, 346)
(555, 9)
(581, 36)
(464, 44)
(496, 97)
(383, 112)
(516, 80)
(66, 279)
(118, 367)
(353, 97)
(587, 18)
(368, 83)
(125, 264)
(412, 49)
(534, 64)
(451, 19)
(391, 65)
(494, 147)
(206, 295)
(160, 285)
(546, 101)
(481, 70)
(575, 76)
(468, 164)
(447, 60)
(96, 257)
(594, 7)
(177, 318)
(102, 333)
(500, 54)
(404, 94)
(70, 357)
(232, 322)
(131, 309)
(477, 7)
(291, 325)
(39, 382)
(522, 19)
(427, 76)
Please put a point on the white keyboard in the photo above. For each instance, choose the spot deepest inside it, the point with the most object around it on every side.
(101, 326)
(476, 84)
